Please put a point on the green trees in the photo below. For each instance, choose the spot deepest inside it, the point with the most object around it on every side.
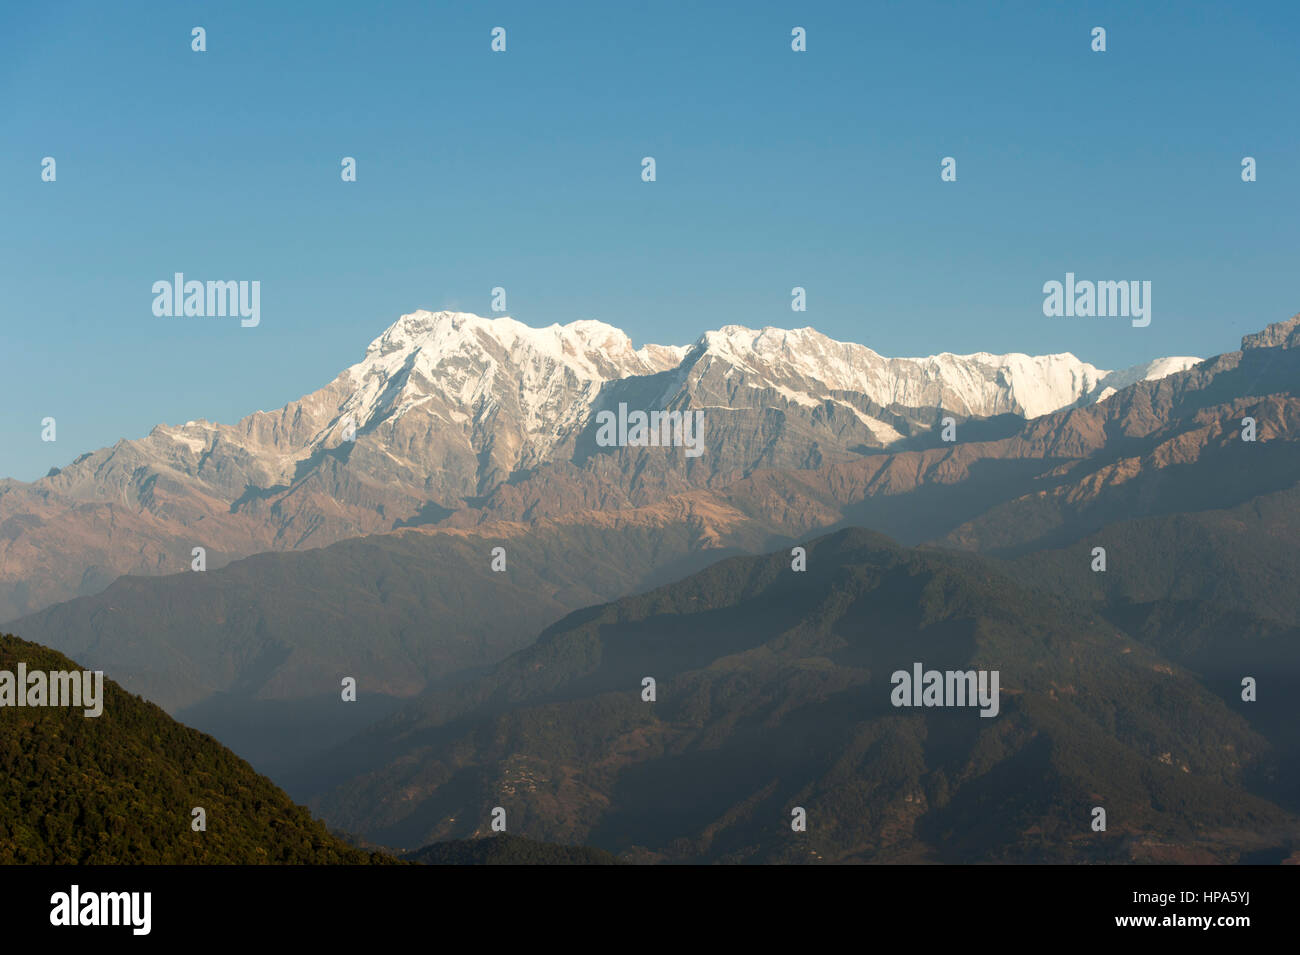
(120, 788)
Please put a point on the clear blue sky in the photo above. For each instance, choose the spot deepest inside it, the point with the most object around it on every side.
(522, 170)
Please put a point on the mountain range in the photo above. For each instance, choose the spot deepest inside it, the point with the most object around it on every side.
(773, 693)
(254, 651)
(378, 558)
(448, 413)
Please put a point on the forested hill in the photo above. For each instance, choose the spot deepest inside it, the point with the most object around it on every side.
(121, 788)
(773, 691)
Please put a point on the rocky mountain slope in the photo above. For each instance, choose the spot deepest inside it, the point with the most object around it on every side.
(447, 412)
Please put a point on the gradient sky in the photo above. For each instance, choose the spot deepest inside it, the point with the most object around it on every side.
(522, 169)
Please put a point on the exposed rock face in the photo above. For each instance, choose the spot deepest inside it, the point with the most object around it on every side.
(1278, 335)
(451, 411)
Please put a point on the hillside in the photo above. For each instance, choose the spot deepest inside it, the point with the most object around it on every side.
(1218, 592)
(774, 692)
(254, 652)
(119, 788)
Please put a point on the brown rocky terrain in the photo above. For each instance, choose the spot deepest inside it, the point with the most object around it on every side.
(455, 420)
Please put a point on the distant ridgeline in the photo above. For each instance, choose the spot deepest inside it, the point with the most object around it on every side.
(848, 700)
(505, 849)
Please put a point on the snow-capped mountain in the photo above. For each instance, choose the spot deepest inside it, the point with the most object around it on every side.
(474, 362)
(808, 368)
(522, 395)
(451, 405)
(595, 522)
(447, 411)
(472, 365)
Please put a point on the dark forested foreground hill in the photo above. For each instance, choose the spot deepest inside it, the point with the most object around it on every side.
(121, 788)
(773, 693)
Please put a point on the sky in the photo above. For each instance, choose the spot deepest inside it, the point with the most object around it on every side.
(522, 169)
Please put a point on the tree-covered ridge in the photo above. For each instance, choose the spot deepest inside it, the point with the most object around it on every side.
(1216, 591)
(774, 692)
(506, 849)
(120, 787)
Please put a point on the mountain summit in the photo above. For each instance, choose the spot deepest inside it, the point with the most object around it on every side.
(505, 397)
(446, 409)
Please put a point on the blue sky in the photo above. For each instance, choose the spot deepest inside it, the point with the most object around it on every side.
(522, 170)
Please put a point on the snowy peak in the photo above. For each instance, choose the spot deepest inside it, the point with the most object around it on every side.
(799, 352)
(1114, 381)
(453, 416)
(592, 350)
(464, 369)
(808, 366)
(470, 360)
(466, 366)
(456, 404)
